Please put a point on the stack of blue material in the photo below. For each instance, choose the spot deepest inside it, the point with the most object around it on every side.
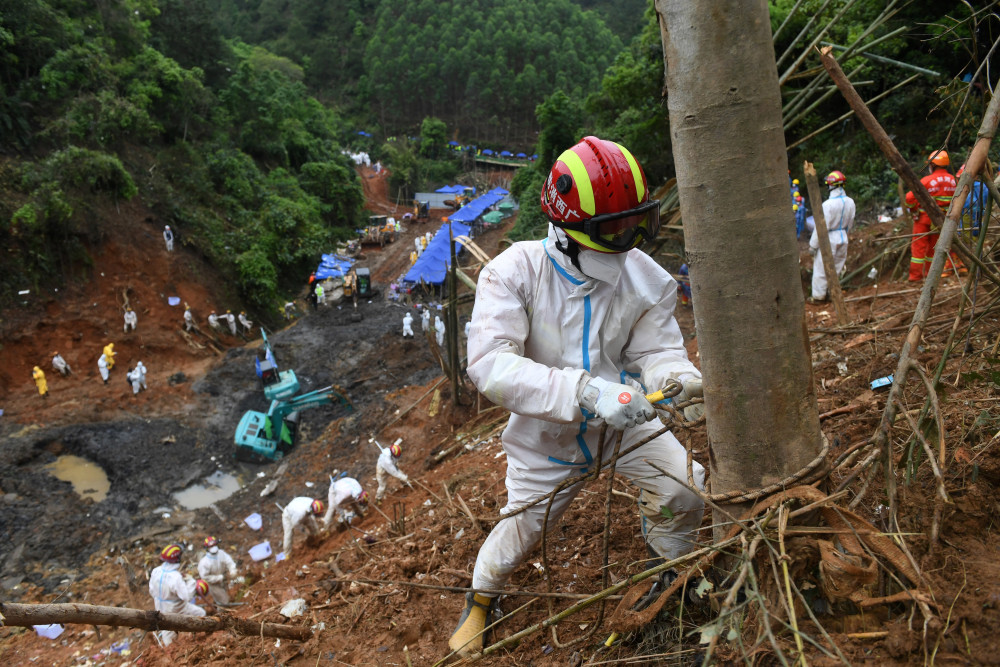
(334, 266)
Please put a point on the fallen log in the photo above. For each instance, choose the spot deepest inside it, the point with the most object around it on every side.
(27, 615)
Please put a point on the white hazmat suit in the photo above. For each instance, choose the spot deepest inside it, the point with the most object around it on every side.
(343, 491)
(295, 512)
(439, 330)
(168, 237)
(130, 320)
(539, 327)
(385, 467)
(425, 320)
(172, 594)
(214, 567)
(838, 211)
(102, 366)
(188, 320)
(247, 324)
(60, 365)
(408, 325)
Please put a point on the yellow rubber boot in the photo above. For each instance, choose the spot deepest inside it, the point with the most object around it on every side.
(468, 636)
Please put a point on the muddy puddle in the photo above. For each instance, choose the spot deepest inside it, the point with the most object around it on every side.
(88, 478)
(217, 486)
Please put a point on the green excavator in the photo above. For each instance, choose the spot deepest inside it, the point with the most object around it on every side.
(268, 437)
(277, 384)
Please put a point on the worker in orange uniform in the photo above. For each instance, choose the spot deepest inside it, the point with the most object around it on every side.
(941, 186)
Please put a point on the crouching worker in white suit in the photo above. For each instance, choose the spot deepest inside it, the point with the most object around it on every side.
(172, 592)
(557, 326)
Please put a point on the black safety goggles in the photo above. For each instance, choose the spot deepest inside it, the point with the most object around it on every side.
(620, 231)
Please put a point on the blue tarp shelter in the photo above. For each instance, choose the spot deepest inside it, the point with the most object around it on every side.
(506, 154)
(334, 266)
(487, 151)
(433, 263)
(363, 133)
(451, 189)
(475, 208)
(453, 143)
(521, 155)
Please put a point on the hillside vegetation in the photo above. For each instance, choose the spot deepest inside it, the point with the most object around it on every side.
(229, 119)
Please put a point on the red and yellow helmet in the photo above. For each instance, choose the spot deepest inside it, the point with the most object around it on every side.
(363, 498)
(317, 507)
(835, 178)
(171, 553)
(396, 451)
(597, 193)
(940, 158)
(211, 541)
(201, 587)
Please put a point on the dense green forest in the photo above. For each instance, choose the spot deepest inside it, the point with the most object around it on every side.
(229, 118)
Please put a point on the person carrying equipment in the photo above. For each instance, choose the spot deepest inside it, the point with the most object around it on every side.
(559, 325)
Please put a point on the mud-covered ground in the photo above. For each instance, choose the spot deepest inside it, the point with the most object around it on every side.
(388, 591)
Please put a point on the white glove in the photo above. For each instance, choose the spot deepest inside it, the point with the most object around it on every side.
(619, 405)
(691, 388)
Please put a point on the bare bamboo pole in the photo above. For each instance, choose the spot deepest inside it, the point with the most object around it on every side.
(802, 33)
(27, 615)
(806, 51)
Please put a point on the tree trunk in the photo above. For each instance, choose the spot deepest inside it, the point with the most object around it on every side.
(739, 235)
(88, 614)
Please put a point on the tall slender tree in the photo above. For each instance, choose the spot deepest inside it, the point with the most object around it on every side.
(732, 174)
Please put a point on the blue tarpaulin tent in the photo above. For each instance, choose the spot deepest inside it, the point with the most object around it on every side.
(363, 133)
(521, 155)
(475, 208)
(451, 189)
(334, 266)
(433, 263)
(487, 151)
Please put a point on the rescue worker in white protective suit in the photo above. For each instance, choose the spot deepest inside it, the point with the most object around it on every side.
(172, 592)
(231, 321)
(188, 318)
(439, 330)
(102, 366)
(213, 321)
(139, 373)
(246, 323)
(408, 325)
(133, 379)
(838, 211)
(168, 237)
(425, 320)
(215, 567)
(60, 364)
(418, 245)
(388, 464)
(130, 319)
(346, 498)
(299, 510)
(558, 329)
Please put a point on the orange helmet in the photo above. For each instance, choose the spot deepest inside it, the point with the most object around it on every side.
(597, 193)
(211, 541)
(940, 158)
(171, 553)
(836, 178)
(396, 451)
(317, 507)
(201, 587)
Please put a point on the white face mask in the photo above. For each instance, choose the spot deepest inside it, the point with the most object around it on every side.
(603, 266)
(213, 550)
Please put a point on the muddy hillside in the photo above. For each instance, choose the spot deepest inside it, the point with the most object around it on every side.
(388, 589)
